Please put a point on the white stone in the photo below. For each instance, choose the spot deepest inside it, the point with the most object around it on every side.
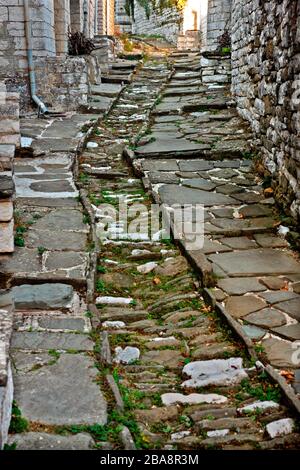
(147, 268)
(26, 141)
(282, 427)
(214, 372)
(176, 436)
(169, 338)
(7, 237)
(140, 252)
(6, 210)
(113, 324)
(91, 145)
(127, 355)
(114, 300)
(192, 399)
(218, 433)
(258, 405)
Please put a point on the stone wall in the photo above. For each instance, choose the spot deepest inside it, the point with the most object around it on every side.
(9, 140)
(64, 82)
(59, 81)
(106, 17)
(218, 19)
(266, 84)
(167, 23)
(6, 383)
(123, 23)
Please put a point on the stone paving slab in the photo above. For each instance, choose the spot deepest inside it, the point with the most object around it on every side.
(58, 266)
(60, 385)
(44, 441)
(260, 262)
(42, 340)
(43, 296)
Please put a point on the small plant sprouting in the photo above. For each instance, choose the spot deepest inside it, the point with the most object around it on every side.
(18, 424)
(41, 250)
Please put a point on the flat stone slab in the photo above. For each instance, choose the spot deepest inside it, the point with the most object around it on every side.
(266, 318)
(241, 306)
(166, 357)
(43, 296)
(291, 307)
(254, 332)
(199, 183)
(239, 243)
(195, 165)
(173, 194)
(281, 353)
(192, 399)
(64, 393)
(159, 165)
(61, 323)
(43, 340)
(291, 332)
(258, 405)
(214, 372)
(44, 441)
(240, 286)
(282, 297)
(63, 240)
(172, 147)
(62, 219)
(261, 262)
(282, 427)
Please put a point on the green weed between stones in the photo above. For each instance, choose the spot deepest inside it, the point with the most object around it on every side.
(18, 424)
(41, 250)
(263, 391)
(101, 269)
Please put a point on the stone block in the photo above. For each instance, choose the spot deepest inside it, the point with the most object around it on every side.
(6, 210)
(7, 237)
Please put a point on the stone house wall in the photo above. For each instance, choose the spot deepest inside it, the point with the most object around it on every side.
(9, 140)
(123, 23)
(6, 382)
(167, 23)
(266, 85)
(218, 19)
(106, 17)
(50, 20)
(63, 82)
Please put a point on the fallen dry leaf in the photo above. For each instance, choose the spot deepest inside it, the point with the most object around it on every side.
(156, 281)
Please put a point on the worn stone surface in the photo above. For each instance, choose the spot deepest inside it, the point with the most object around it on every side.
(191, 399)
(44, 441)
(66, 404)
(280, 353)
(214, 372)
(43, 296)
(172, 194)
(42, 340)
(280, 427)
(240, 286)
(241, 306)
(266, 318)
(256, 263)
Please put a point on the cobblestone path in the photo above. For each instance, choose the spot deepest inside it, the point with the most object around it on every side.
(184, 341)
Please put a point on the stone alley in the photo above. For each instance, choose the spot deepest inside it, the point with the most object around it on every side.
(114, 335)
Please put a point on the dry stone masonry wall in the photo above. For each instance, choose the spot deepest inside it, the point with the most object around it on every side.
(9, 139)
(166, 23)
(266, 83)
(218, 19)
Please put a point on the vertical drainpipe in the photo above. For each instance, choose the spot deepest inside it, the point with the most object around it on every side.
(96, 17)
(32, 81)
(85, 17)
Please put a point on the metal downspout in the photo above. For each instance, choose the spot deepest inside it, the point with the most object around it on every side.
(32, 81)
(96, 17)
